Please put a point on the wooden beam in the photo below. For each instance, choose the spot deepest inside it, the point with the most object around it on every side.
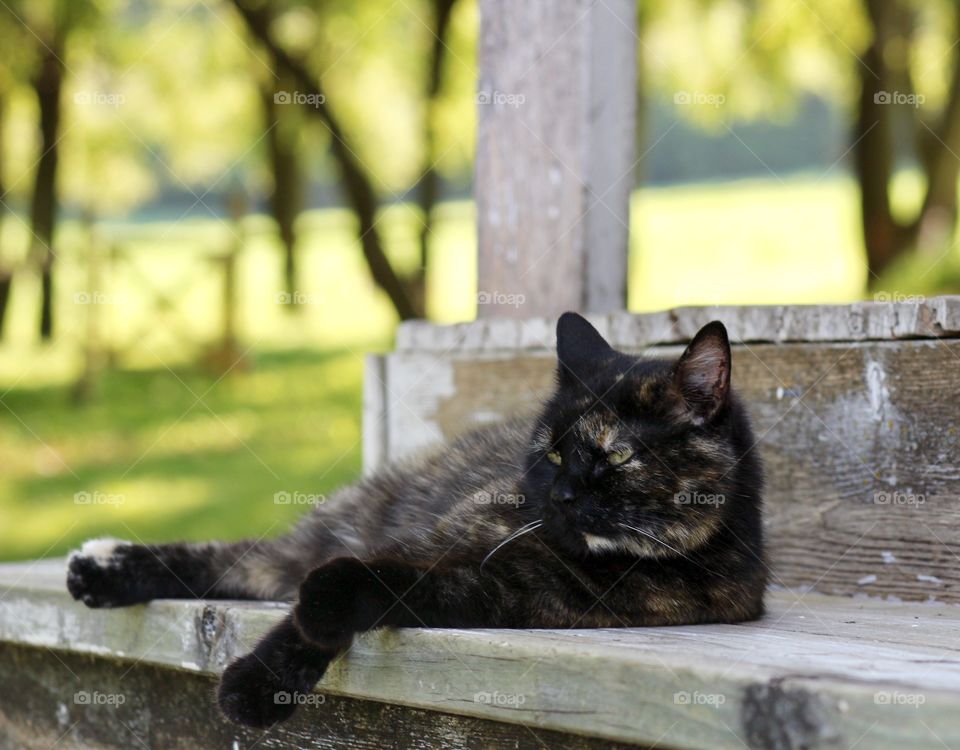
(817, 672)
(555, 155)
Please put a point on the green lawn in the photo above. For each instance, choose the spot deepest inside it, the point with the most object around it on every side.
(168, 450)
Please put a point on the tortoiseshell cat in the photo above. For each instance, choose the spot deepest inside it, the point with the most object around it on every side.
(631, 499)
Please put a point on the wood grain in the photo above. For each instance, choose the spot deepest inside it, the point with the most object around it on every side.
(553, 191)
(932, 317)
(162, 709)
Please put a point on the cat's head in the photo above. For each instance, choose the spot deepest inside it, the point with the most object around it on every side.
(637, 456)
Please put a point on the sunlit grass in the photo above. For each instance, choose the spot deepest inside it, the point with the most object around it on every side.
(152, 463)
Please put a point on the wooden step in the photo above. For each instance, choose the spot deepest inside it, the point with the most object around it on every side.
(817, 671)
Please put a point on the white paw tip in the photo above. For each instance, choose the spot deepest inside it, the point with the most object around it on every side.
(101, 550)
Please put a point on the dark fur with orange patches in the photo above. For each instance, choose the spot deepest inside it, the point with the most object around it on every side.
(637, 484)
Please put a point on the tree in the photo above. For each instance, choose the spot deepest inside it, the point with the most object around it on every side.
(887, 89)
(286, 193)
(48, 84)
(356, 183)
(429, 187)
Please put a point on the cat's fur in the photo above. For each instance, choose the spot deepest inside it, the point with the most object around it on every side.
(636, 487)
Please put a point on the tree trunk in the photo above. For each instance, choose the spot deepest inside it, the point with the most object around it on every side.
(937, 221)
(6, 273)
(286, 198)
(43, 209)
(874, 147)
(429, 187)
(356, 184)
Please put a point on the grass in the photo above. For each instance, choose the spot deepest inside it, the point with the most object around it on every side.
(157, 464)
(168, 450)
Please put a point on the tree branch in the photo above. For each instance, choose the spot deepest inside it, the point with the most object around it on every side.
(357, 186)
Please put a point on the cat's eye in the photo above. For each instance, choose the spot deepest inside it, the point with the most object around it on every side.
(554, 458)
(619, 457)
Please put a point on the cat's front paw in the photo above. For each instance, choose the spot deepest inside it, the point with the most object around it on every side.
(267, 685)
(96, 574)
(252, 694)
(338, 599)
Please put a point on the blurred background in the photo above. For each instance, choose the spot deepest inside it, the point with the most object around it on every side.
(188, 282)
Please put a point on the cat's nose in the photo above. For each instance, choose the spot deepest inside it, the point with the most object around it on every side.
(563, 494)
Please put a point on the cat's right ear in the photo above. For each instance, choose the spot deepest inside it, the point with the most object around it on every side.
(702, 374)
(579, 348)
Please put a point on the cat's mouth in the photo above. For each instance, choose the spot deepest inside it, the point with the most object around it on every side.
(647, 537)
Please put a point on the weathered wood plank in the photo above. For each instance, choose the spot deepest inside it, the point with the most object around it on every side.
(831, 671)
(556, 128)
(934, 317)
(860, 441)
(47, 700)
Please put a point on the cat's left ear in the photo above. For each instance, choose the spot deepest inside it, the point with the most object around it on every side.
(702, 374)
(580, 347)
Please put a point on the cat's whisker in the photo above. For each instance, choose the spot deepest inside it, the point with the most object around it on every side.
(651, 536)
(525, 529)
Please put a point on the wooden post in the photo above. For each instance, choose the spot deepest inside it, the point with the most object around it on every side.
(555, 155)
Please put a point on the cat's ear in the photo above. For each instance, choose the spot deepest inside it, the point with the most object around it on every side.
(580, 347)
(702, 374)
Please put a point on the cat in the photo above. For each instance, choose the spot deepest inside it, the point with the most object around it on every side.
(631, 498)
